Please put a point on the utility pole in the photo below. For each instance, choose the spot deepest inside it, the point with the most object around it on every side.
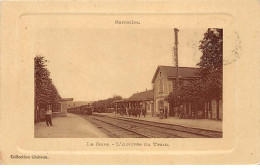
(175, 61)
(176, 58)
(176, 54)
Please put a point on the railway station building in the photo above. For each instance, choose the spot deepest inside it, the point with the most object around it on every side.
(164, 81)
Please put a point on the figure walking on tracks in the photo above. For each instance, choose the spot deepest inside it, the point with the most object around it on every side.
(48, 115)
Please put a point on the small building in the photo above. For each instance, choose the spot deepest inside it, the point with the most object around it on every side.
(142, 100)
(146, 100)
(62, 107)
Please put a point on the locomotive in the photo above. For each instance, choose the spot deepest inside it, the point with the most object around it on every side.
(86, 109)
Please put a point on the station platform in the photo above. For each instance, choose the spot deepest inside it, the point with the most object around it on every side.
(72, 126)
(207, 124)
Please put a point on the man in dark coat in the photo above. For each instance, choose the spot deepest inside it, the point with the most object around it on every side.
(166, 112)
(144, 111)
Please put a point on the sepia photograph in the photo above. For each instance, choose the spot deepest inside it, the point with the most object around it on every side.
(128, 83)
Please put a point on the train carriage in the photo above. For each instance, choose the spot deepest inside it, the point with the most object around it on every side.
(74, 110)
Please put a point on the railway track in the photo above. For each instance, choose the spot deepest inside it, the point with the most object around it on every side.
(132, 128)
(195, 131)
(114, 131)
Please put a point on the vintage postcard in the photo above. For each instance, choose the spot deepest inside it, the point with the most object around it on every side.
(113, 82)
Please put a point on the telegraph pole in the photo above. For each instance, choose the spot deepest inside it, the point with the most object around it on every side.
(176, 57)
(175, 61)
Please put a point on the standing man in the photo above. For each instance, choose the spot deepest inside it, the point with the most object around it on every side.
(127, 111)
(48, 115)
(138, 111)
(166, 111)
(181, 112)
(161, 113)
(144, 111)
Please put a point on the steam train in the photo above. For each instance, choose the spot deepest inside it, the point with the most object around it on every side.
(85, 109)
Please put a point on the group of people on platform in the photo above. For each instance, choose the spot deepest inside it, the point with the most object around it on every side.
(164, 112)
(132, 111)
(138, 111)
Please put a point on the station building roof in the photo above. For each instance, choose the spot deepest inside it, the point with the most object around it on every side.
(170, 72)
(137, 97)
(146, 95)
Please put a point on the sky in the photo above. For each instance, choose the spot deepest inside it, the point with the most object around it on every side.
(94, 64)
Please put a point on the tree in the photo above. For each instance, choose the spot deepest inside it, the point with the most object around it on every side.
(45, 92)
(211, 62)
(106, 103)
(190, 92)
